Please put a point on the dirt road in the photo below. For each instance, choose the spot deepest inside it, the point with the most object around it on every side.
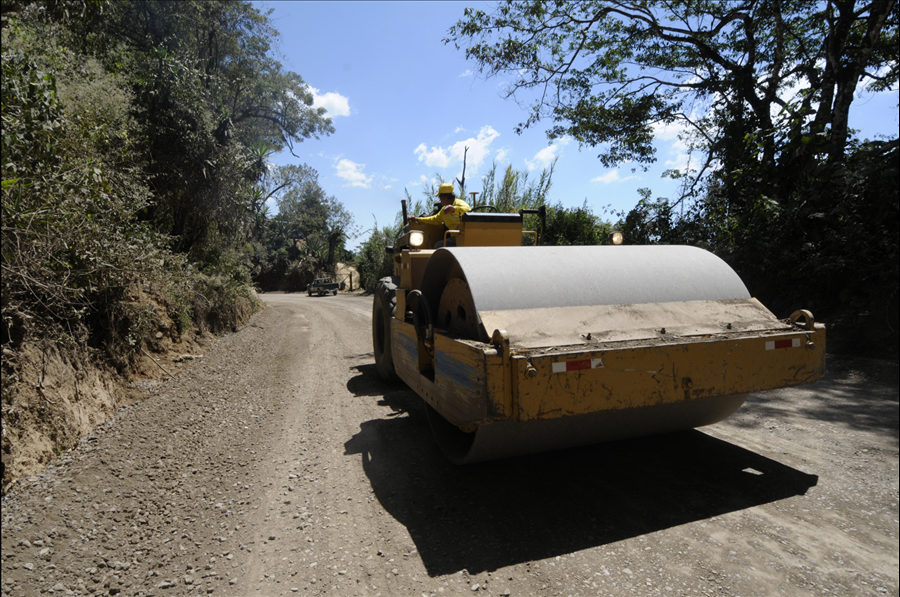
(280, 464)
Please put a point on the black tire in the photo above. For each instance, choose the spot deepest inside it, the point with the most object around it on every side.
(383, 307)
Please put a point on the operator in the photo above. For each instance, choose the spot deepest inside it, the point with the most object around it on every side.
(451, 211)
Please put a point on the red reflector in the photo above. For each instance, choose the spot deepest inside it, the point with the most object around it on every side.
(576, 365)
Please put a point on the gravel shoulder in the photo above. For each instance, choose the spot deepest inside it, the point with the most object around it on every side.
(281, 464)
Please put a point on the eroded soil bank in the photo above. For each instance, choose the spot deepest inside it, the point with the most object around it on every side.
(55, 393)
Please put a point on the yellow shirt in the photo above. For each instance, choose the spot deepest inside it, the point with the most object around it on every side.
(450, 220)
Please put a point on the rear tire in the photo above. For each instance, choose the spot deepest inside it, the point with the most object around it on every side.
(383, 307)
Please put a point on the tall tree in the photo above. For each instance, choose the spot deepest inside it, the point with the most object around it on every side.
(755, 81)
(309, 212)
(212, 102)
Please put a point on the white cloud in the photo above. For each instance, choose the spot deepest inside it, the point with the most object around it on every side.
(352, 173)
(668, 132)
(468, 73)
(335, 103)
(423, 180)
(674, 135)
(610, 177)
(543, 158)
(443, 157)
(682, 158)
(502, 155)
(436, 157)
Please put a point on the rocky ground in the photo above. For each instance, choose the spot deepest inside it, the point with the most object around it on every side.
(280, 463)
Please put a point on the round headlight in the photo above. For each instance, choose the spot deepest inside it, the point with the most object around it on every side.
(416, 238)
(617, 237)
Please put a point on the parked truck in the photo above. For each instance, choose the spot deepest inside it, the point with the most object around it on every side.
(322, 286)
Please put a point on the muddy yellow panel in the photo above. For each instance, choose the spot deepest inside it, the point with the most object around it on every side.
(455, 380)
(565, 385)
(411, 266)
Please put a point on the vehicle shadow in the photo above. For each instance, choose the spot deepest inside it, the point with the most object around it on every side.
(486, 516)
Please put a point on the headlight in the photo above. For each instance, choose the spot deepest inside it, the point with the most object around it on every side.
(416, 238)
(617, 237)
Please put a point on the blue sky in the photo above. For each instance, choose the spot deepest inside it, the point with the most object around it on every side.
(404, 105)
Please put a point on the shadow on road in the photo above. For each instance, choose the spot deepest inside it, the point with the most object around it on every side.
(486, 516)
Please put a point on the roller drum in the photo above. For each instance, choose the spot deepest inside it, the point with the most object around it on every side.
(506, 439)
(468, 282)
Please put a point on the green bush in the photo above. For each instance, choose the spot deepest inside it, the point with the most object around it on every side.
(71, 239)
(373, 262)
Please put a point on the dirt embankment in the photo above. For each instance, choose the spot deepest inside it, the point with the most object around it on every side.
(54, 393)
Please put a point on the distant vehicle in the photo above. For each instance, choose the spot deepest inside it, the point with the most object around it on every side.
(322, 286)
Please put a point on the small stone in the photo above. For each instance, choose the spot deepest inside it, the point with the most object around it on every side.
(164, 585)
(271, 537)
(188, 580)
(475, 587)
(28, 566)
(44, 553)
(233, 581)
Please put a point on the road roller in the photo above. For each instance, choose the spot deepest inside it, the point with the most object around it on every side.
(517, 348)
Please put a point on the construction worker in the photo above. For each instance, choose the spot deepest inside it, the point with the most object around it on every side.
(451, 210)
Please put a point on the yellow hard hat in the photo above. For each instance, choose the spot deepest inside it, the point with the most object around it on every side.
(445, 189)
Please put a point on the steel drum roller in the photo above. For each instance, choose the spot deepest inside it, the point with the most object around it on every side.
(465, 283)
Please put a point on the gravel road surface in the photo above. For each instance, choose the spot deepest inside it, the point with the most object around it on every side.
(280, 464)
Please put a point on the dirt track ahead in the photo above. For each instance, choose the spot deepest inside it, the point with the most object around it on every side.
(280, 464)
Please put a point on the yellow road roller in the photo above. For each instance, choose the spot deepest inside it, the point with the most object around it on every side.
(522, 349)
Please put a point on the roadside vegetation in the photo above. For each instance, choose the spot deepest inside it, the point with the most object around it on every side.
(135, 173)
(136, 138)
